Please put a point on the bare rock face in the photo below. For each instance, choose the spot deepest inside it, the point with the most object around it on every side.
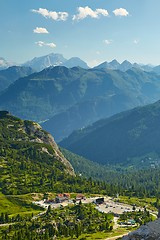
(150, 231)
(37, 134)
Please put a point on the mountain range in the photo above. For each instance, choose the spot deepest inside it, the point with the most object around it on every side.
(130, 138)
(50, 60)
(124, 66)
(56, 59)
(5, 64)
(74, 98)
(11, 74)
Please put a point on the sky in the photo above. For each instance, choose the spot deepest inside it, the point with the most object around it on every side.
(94, 30)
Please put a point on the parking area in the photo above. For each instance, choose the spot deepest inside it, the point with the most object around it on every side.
(109, 205)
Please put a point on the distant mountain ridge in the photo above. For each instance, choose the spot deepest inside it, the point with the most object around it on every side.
(5, 64)
(54, 59)
(125, 65)
(50, 60)
(74, 98)
(115, 97)
(11, 74)
(40, 63)
(129, 138)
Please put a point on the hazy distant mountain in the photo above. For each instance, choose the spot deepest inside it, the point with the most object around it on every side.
(75, 62)
(73, 98)
(147, 68)
(120, 92)
(41, 95)
(11, 74)
(40, 63)
(128, 138)
(124, 66)
(77, 116)
(54, 59)
(5, 64)
(114, 65)
(156, 69)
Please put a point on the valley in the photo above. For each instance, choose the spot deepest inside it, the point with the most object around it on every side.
(107, 116)
(73, 98)
(110, 208)
(31, 162)
(79, 120)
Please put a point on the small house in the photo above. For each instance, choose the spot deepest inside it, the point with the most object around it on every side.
(62, 197)
(80, 197)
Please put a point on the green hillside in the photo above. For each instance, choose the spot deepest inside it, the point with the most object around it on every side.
(33, 167)
(30, 161)
(14, 204)
(126, 180)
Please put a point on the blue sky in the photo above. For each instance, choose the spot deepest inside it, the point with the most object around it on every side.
(94, 30)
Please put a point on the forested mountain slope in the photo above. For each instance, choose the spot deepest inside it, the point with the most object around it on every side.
(128, 138)
(11, 74)
(30, 160)
(73, 98)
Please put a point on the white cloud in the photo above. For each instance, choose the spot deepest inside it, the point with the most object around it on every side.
(42, 44)
(84, 12)
(40, 30)
(107, 41)
(57, 16)
(121, 12)
(101, 11)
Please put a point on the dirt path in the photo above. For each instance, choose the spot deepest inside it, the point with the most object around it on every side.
(7, 224)
(115, 226)
(116, 237)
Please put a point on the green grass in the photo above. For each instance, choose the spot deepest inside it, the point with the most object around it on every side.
(2, 229)
(101, 235)
(18, 205)
(140, 202)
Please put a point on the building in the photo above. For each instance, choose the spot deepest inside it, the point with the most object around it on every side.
(99, 200)
(62, 197)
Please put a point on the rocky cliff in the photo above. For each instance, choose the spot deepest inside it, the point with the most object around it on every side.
(17, 131)
(150, 231)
